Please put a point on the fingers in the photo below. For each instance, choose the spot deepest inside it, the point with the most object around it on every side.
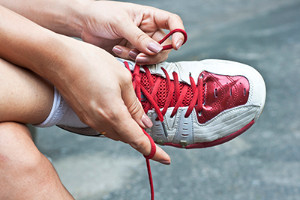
(161, 156)
(133, 104)
(121, 126)
(139, 141)
(131, 118)
(143, 59)
(125, 52)
(140, 58)
(159, 18)
(130, 132)
(140, 39)
(131, 53)
(109, 133)
(112, 136)
(170, 21)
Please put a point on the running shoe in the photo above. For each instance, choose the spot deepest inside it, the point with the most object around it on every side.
(199, 104)
(196, 104)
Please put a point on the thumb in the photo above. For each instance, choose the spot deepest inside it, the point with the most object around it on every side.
(140, 40)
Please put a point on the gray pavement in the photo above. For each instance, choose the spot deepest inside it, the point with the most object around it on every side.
(262, 164)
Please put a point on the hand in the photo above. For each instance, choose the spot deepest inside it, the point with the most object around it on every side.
(130, 31)
(101, 93)
(92, 81)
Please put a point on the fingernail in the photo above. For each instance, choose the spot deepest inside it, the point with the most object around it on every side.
(179, 44)
(133, 54)
(154, 47)
(142, 60)
(117, 50)
(146, 121)
(165, 162)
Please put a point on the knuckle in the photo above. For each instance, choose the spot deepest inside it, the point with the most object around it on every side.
(118, 19)
(104, 116)
(141, 37)
(126, 78)
(111, 114)
(139, 145)
(134, 108)
(177, 17)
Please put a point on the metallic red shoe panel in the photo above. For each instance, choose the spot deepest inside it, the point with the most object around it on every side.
(222, 93)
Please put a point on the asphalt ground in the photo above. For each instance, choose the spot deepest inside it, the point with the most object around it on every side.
(261, 164)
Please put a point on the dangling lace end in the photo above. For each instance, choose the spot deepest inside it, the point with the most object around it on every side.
(152, 153)
(150, 178)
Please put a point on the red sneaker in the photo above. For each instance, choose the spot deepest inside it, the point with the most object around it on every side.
(199, 104)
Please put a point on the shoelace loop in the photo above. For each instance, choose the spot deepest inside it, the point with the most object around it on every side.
(173, 88)
(169, 46)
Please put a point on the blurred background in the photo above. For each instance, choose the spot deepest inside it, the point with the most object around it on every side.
(261, 164)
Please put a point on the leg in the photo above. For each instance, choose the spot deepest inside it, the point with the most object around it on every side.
(24, 172)
(27, 98)
(24, 97)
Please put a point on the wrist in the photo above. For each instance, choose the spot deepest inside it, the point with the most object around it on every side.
(64, 17)
(68, 18)
(53, 61)
(72, 21)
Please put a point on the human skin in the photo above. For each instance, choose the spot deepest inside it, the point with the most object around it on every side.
(62, 62)
(24, 172)
(110, 25)
(80, 71)
(24, 97)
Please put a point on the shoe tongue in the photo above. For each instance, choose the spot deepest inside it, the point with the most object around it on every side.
(163, 90)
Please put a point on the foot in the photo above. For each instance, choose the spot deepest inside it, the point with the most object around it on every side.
(196, 104)
(199, 104)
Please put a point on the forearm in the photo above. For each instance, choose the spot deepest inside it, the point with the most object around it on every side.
(29, 45)
(64, 17)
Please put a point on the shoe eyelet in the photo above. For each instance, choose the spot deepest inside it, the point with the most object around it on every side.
(216, 93)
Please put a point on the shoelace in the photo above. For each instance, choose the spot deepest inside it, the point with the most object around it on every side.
(173, 90)
(179, 96)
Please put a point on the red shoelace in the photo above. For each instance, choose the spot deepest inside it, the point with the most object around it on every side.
(173, 90)
(176, 93)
